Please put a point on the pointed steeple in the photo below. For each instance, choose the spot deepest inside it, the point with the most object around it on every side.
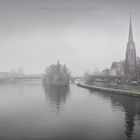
(130, 37)
(58, 66)
(130, 61)
(58, 62)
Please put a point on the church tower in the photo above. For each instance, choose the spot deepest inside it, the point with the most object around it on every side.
(130, 59)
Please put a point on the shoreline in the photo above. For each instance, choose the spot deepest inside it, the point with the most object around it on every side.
(111, 90)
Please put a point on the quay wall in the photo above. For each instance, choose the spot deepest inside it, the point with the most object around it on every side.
(111, 90)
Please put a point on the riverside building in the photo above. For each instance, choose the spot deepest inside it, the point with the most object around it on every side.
(128, 68)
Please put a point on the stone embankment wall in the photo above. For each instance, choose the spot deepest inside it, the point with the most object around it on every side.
(111, 90)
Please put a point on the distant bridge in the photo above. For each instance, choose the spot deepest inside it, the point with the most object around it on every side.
(27, 78)
(32, 78)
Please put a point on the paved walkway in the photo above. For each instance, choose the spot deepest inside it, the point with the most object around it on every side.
(118, 91)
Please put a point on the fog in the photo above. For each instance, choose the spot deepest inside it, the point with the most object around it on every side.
(84, 35)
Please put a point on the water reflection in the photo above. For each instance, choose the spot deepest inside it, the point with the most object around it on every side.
(57, 96)
(130, 105)
(131, 108)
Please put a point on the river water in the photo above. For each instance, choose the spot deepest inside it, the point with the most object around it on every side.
(32, 112)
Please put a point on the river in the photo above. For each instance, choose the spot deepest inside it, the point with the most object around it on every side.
(32, 112)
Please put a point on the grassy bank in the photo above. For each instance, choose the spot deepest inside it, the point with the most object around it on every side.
(117, 86)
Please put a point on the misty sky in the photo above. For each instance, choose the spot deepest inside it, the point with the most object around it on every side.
(83, 34)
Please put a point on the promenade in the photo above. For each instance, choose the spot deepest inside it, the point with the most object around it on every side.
(111, 90)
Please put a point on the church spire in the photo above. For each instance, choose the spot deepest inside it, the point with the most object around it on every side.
(130, 38)
(130, 61)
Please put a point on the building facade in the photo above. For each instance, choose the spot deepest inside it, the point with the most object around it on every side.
(130, 59)
(117, 68)
(129, 67)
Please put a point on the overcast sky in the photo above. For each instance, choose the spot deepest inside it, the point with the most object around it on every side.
(83, 34)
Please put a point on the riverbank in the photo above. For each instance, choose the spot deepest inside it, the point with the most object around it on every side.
(111, 90)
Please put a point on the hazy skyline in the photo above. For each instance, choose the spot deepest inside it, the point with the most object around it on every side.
(84, 35)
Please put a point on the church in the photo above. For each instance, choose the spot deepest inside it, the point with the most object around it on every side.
(130, 67)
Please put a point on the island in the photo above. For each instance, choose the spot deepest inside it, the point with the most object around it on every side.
(56, 75)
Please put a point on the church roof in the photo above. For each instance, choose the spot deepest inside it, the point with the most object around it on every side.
(130, 38)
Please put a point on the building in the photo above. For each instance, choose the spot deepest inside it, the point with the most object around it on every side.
(106, 72)
(117, 68)
(7, 75)
(130, 67)
(130, 59)
(20, 71)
